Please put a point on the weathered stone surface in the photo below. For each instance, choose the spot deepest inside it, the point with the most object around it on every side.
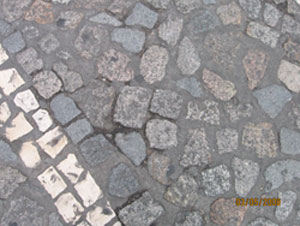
(54, 220)
(101, 215)
(186, 6)
(289, 74)
(104, 18)
(246, 173)
(3, 55)
(292, 50)
(255, 64)
(264, 33)
(166, 103)
(14, 9)
(290, 25)
(161, 134)
(96, 150)
(262, 221)
(230, 13)
(272, 99)
(183, 192)
(206, 111)
(189, 218)
(78, 130)
(227, 140)
(281, 172)
(26, 101)
(252, 7)
(188, 59)
(293, 7)
(226, 212)
(120, 7)
(197, 150)
(191, 85)
(204, 20)
(159, 167)
(160, 4)
(216, 181)
(14, 43)
(122, 181)
(153, 64)
(90, 4)
(131, 39)
(237, 110)
(132, 106)
(41, 12)
(49, 43)
(271, 15)
(69, 20)
(143, 211)
(6, 154)
(5, 113)
(288, 199)
(30, 32)
(290, 141)
(261, 138)
(5, 27)
(170, 30)
(29, 60)
(30, 155)
(47, 84)
(133, 146)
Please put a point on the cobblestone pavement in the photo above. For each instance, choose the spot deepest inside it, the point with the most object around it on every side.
(149, 113)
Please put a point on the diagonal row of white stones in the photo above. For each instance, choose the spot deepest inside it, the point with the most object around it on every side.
(52, 142)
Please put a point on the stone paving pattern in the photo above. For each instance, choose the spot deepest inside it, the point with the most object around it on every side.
(149, 113)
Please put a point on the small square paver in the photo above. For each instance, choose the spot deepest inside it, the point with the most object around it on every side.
(42, 119)
(26, 101)
(29, 155)
(14, 43)
(29, 60)
(100, 216)
(10, 80)
(47, 84)
(78, 130)
(5, 113)
(71, 168)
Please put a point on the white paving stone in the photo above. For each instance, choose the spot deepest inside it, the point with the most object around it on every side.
(83, 223)
(53, 142)
(42, 119)
(117, 224)
(29, 155)
(26, 100)
(71, 168)
(99, 217)
(10, 80)
(52, 182)
(4, 113)
(88, 190)
(69, 207)
(19, 127)
(3, 56)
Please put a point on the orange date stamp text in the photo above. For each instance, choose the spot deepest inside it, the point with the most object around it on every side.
(258, 201)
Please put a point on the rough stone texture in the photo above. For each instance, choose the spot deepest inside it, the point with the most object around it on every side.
(5, 28)
(290, 25)
(122, 181)
(237, 110)
(14, 9)
(132, 106)
(261, 138)
(14, 43)
(216, 181)
(47, 84)
(252, 7)
(189, 219)
(289, 74)
(227, 140)
(281, 172)
(292, 50)
(230, 14)
(161, 134)
(160, 4)
(30, 32)
(78, 130)
(196, 151)
(143, 211)
(41, 12)
(226, 212)
(204, 20)
(54, 220)
(262, 221)
(131, 39)
(255, 64)
(96, 150)
(191, 85)
(6, 153)
(188, 60)
(104, 18)
(133, 146)
(159, 167)
(290, 141)
(186, 6)
(49, 43)
(29, 60)
(69, 20)
(271, 15)
(272, 99)
(170, 30)
(90, 4)
(166, 103)
(288, 199)
(183, 192)
(246, 173)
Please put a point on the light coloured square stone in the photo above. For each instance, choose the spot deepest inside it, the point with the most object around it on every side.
(29, 155)
(289, 74)
(26, 100)
(19, 127)
(42, 119)
(88, 190)
(52, 182)
(83, 223)
(3, 56)
(69, 207)
(10, 80)
(4, 113)
(99, 216)
(53, 142)
(71, 168)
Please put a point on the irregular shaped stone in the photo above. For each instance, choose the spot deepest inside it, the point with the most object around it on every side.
(113, 65)
(197, 150)
(186, 6)
(26, 101)
(101, 215)
(188, 60)
(255, 64)
(161, 134)
(30, 32)
(142, 15)
(14, 43)
(5, 27)
(131, 39)
(262, 221)
(49, 43)
(203, 21)
(224, 211)
(143, 211)
(252, 7)
(206, 111)
(30, 155)
(271, 15)
(153, 64)
(227, 140)
(78, 130)
(29, 60)
(5, 113)
(261, 138)
(288, 199)
(264, 33)
(292, 50)
(104, 18)
(3, 55)
(183, 192)
(159, 167)
(230, 14)
(166, 103)
(281, 172)
(120, 7)
(6, 154)
(290, 141)
(96, 150)
(189, 219)
(170, 30)
(71, 168)
(47, 84)
(246, 173)
(216, 181)
(69, 20)
(289, 73)
(54, 220)
(293, 7)
(290, 25)
(122, 182)
(14, 9)
(132, 106)
(41, 12)
(220, 88)
(133, 146)
(191, 85)
(237, 110)
(159, 4)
